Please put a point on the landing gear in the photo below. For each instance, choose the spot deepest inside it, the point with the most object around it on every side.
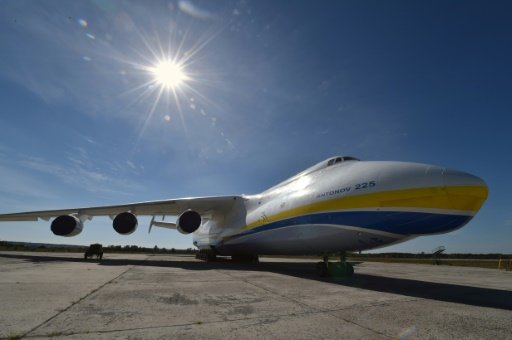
(322, 269)
(247, 258)
(335, 269)
(206, 255)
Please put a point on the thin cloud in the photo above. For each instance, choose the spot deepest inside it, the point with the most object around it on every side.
(194, 11)
(74, 173)
(16, 183)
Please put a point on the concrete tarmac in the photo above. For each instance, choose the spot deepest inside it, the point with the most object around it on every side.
(60, 295)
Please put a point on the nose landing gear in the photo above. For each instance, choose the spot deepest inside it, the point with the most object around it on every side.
(334, 269)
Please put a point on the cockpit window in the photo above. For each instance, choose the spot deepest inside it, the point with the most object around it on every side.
(340, 159)
(316, 167)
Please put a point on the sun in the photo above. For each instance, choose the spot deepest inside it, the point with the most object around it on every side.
(168, 74)
(169, 77)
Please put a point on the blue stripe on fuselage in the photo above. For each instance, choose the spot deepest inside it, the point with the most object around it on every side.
(397, 222)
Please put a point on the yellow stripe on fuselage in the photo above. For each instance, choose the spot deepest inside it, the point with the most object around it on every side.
(462, 198)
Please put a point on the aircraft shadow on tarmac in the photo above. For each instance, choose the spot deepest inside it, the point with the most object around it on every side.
(476, 296)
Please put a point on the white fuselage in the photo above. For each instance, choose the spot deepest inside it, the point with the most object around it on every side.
(345, 205)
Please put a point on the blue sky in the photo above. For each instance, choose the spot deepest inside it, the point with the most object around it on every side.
(273, 87)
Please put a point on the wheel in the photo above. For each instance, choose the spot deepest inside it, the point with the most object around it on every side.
(341, 269)
(245, 258)
(350, 269)
(210, 257)
(321, 269)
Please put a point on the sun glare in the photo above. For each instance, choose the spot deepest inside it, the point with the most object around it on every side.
(169, 74)
(168, 78)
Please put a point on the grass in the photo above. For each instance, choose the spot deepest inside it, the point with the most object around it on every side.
(444, 261)
(478, 263)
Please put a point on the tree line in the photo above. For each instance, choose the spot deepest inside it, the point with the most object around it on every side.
(20, 246)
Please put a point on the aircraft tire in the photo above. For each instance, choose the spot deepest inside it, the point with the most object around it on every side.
(321, 269)
(210, 257)
(244, 258)
(350, 269)
(341, 269)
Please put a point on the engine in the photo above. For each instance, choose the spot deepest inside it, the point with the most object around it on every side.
(125, 223)
(188, 222)
(67, 225)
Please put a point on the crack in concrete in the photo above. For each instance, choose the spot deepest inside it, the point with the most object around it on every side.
(25, 335)
(272, 292)
(288, 315)
(311, 310)
(195, 323)
(379, 304)
(315, 310)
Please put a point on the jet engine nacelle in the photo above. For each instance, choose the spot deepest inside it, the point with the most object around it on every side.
(125, 223)
(67, 225)
(188, 222)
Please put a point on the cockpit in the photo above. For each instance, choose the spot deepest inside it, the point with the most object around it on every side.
(327, 163)
(337, 160)
(322, 165)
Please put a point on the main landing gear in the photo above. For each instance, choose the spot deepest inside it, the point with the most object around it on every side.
(209, 255)
(246, 258)
(206, 255)
(335, 269)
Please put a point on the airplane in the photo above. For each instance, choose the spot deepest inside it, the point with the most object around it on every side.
(340, 204)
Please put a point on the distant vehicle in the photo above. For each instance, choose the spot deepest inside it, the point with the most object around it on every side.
(340, 204)
(94, 249)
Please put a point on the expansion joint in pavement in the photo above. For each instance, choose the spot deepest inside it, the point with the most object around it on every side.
(371, 305)
(313, 309)
(26, 334)
(195, 323)
(302, 304)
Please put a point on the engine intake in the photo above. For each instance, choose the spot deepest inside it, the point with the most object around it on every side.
(188, 222)
(67, 225)
(125, 223)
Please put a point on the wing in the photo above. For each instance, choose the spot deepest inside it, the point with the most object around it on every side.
(150, 208)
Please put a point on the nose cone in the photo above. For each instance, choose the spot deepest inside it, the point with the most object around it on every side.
(459, 178)
(465, 191)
